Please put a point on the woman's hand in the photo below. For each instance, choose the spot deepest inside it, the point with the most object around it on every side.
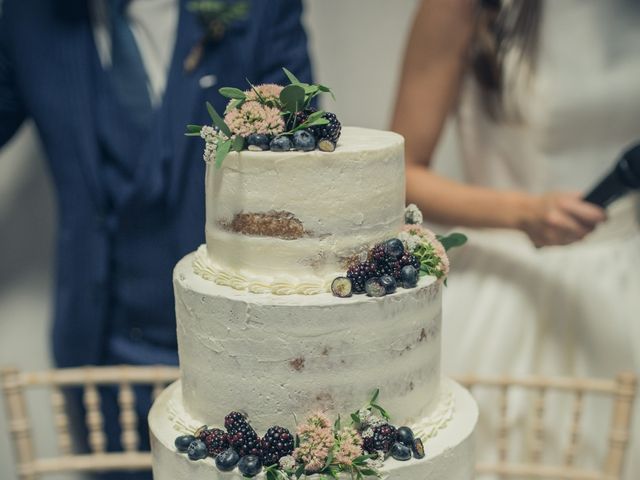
(558, 218)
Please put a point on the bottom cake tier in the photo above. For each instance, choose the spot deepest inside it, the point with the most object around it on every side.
(447, 436)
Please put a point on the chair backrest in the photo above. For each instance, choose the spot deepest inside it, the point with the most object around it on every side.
(30, 467)
(621, 390)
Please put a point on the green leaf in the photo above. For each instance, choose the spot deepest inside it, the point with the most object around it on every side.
(355, 418)
(329, 460)
(292, 78)
(237, 144)
(300, 471)
(375, 395)
(271, 475)
(217, 120)
(361, 459)
(452, 240)
(231, 92)
(382, 411)
(193, 130)
(292, 98)
(336, 425)
(222, 150)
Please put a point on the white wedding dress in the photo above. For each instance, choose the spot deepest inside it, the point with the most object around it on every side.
(575, 310)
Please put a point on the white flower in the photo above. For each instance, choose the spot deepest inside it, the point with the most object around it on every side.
(368, 433)
(209, 134)
(410, 241)
(412, 214)
(210, 151)
(288, 463)
(375, 463)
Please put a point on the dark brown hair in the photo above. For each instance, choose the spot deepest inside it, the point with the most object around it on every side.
(501, 26)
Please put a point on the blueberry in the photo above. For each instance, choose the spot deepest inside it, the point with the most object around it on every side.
(250, 465)
(341, 287)
(389, 283)
(182, 443)
(326, 145)
(227, 460)
(418, 448)
(405, 436)
(374, 288)
(400, 452)
(197, 450)
(258, 142)
(281, 143)
(304, 140)
(394, 248)
(409, 276)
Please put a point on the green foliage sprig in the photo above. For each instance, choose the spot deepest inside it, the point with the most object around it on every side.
(453, 240)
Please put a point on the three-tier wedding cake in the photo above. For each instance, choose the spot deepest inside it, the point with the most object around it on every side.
(281, 366)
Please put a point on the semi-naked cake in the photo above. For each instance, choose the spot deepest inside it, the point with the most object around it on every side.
(261, 333)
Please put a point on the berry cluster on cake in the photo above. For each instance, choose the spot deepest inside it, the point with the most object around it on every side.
(316, 289)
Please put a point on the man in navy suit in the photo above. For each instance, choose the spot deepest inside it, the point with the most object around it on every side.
(105, 83)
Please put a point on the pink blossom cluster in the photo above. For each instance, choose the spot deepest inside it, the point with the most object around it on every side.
(349, 446)
(269, 92)
(424, 235)
(316, 442)
(253, 117)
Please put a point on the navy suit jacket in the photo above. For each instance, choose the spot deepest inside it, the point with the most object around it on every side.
(46, 52)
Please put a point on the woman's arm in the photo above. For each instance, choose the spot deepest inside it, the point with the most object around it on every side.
(434, 65)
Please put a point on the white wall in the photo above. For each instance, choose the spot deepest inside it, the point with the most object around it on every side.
(357, 48)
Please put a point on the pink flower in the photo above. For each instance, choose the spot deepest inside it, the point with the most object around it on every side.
(253, 117)
(349, 446)
(269, 92)
(316, 441)
(424, 235)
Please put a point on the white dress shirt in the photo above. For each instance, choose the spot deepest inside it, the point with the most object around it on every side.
(154, 24)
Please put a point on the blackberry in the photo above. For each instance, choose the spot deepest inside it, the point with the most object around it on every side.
(378, 253)
(359, 273)
(300, 117)
(276, 443)
(330, 131)
(384, 436)
(409, 259)
(216, 440)
(234, 421)
(383, 262)
(242, 437)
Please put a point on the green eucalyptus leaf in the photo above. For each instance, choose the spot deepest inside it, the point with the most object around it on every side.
(218, 120)
(292, 78)
(452, 240)
(292, 98)
(193, 130)
(222, 150)
(231, 92)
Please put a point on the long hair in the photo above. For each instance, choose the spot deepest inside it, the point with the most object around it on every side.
(504, 26)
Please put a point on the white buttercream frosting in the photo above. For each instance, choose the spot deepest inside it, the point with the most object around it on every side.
(279, 356)
(449, 447)
(346, 200)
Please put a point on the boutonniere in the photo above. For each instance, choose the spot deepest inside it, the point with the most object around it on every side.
(216, 16)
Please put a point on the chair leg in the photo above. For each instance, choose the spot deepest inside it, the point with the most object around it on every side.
(619, 437)
(19, 425)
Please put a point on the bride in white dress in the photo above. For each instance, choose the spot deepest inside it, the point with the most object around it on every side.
(546, 95)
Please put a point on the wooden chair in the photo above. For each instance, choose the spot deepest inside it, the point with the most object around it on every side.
(31, 467)
(621, 391)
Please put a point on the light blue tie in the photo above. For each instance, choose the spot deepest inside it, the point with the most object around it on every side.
(128, 75)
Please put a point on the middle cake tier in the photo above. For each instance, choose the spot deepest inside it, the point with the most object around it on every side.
(275, 357)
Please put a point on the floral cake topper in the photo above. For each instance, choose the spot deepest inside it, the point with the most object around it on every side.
(269, 117)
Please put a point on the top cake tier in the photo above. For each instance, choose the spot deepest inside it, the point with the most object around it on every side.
(286, 222)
